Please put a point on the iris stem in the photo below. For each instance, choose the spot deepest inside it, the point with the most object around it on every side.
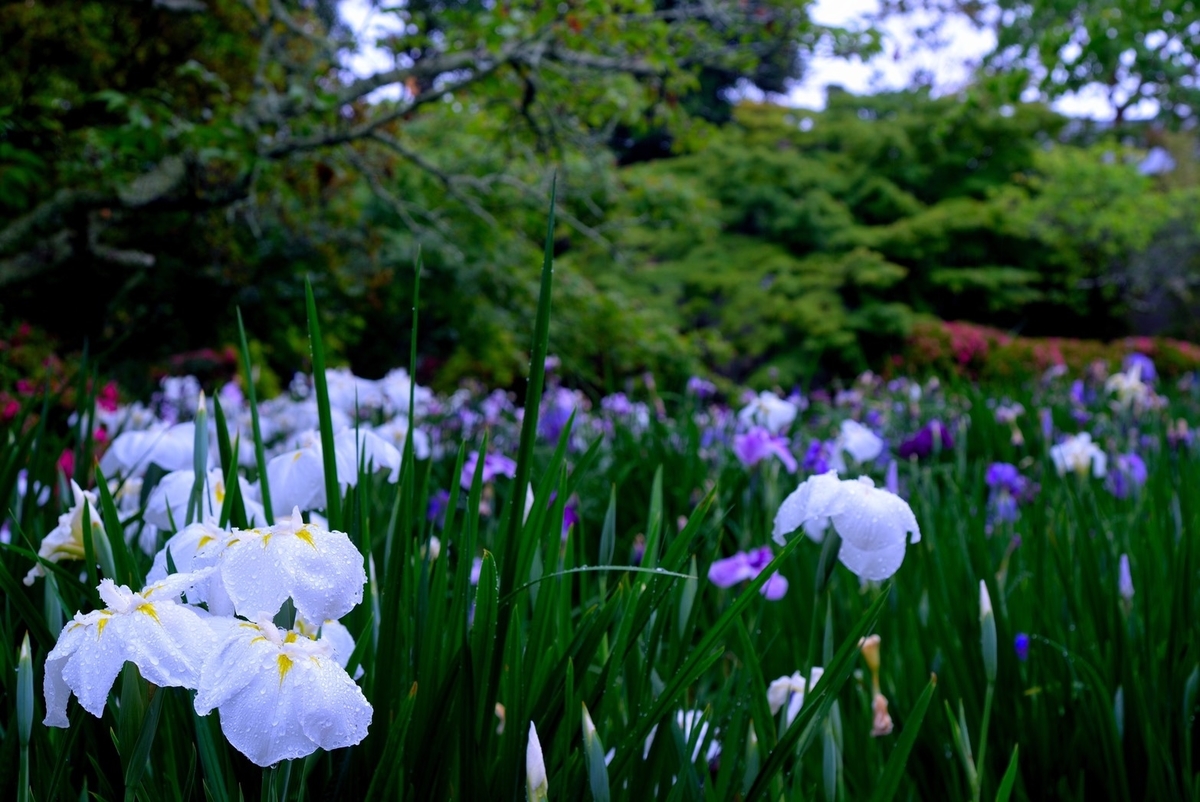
(983, 730)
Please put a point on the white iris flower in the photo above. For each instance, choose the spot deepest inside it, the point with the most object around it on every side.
(856, 440)
(787, 691)
(769, 411)
(166, 640)
(874, 524)
(168, 501)
(297, 478)
(65, 541)
(281, 694)
(1079, 454)
(320, 570)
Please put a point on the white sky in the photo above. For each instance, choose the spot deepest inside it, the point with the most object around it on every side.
(950, 66)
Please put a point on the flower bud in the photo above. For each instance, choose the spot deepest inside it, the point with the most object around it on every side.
(536, 784)
(869, 646)
(882, 724)
(988, 625)
(1125, 579)
(24, 692)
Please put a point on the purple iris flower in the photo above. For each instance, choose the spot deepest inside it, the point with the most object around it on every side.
(1047, 420)
(931, 437)
(570, 513)
(617, 404)
(891, 481)
(1078, 396)
(757, 444)
(1008, 487)
(495, 405)
(701, 388)
(1021, 646)
(438, 503)
(493, 465)
(744, 566)
(1126, 475)
(557, 409)
(816, 459)
(570, 517)
(1148, 373)
(1005, 475)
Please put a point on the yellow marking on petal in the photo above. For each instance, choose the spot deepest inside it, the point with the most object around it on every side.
(266, 540)
(296, 457)
(100, 626)
(256, 640)
(290, 637)
(248, 625)
(285, 665)
(219, 492)
(204, 541)
(306, 536)
(149, 610)
(231, 542)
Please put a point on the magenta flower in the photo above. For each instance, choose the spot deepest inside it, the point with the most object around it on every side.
(744, 566)
(757, 444)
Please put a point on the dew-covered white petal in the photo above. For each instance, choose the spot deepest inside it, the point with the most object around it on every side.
(281, 695)
(810, 505)
(321, 571)
(875, 526)
(166, 640)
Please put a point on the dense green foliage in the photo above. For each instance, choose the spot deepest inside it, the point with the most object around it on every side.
(1097, 701)
(795, 240)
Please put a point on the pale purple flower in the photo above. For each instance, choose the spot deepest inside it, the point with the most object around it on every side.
(557, 408)
(701, 388)
(1003, 475)
(745, 566)
(617, 404)
(1078, 396)
(493, 465)
(495, 405)
(1128, 474)
(1007, 487)
(1145, 364)
(758, 444)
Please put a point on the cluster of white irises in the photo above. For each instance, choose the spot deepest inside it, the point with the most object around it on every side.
(209, 627)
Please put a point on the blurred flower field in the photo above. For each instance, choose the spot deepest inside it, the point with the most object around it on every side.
(361, 589)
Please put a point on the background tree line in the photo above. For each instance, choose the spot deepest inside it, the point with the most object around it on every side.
(167, 159)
